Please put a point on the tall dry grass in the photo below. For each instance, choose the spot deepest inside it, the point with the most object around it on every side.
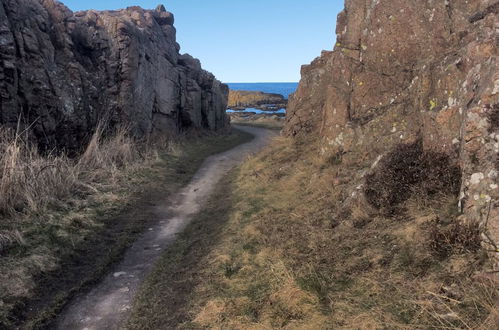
(30, 182)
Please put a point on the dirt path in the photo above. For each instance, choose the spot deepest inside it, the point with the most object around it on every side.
(108, 304)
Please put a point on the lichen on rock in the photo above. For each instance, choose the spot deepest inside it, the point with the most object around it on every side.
(429, 66)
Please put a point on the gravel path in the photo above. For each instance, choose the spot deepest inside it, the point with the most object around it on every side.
(109, 303)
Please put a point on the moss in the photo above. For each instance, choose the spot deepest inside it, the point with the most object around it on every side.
(433, 104)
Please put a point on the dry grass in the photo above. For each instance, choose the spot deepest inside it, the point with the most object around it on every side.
(10, 238)
(286, 247)
(69, 218)
(31, 182)
(45, 199)
(28, 181)
(260, 120)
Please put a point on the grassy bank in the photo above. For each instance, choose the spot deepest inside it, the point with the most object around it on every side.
(277, 248)
(263, 121)
(64, 221)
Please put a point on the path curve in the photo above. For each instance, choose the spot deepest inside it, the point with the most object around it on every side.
(109, 303)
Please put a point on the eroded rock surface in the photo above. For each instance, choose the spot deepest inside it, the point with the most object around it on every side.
(61, 72)
(404, 70)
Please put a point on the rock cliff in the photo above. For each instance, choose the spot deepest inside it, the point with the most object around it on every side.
(405, 71)
(61, 72)
(251, 99)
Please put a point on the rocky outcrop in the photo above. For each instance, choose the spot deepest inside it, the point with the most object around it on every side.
(403, 71)
(61, 72)
(258, 100)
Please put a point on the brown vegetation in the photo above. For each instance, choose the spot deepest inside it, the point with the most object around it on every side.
(257, 120)
(64, 220)
(45, 201)
(31, 182)
(286, 247)
(494, 118)
(410, 170)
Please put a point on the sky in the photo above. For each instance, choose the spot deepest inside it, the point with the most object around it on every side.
(245, 40)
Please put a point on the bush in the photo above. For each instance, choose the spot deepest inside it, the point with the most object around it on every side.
(494, 118)
(456, 237)
(409, 170)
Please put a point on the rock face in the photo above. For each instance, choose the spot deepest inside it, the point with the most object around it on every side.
(404, 70)
(259, 100)
(61, 72)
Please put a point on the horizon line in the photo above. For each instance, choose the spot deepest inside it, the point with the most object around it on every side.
(262, 82)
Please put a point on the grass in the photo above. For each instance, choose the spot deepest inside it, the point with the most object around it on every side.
(283, 244)
(263, 121)
(64, 221)
(270, 125)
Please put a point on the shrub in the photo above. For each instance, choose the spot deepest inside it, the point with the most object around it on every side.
(494, 118)
(409, 170)
(456, 237)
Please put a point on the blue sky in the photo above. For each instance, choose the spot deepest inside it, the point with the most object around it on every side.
(246, 40)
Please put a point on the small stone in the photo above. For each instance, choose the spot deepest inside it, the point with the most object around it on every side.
(476, 178)
(118, 274)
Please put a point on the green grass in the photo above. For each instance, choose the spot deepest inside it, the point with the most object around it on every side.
(176, 272)
(85, 238)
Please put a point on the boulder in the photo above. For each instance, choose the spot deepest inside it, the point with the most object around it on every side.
(62, 72)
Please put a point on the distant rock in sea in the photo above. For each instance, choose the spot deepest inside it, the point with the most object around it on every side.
(240, 100)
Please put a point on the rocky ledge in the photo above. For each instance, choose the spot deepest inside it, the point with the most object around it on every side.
(240, 100)
(405, 71)
(61, 72)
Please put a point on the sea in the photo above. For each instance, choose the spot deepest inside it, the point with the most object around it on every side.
(284, 89)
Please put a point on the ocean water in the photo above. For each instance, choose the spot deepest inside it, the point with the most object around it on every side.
(279, 88)
(258, 111)
(284, 89)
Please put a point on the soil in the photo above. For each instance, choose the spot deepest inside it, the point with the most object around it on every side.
(108, 304)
